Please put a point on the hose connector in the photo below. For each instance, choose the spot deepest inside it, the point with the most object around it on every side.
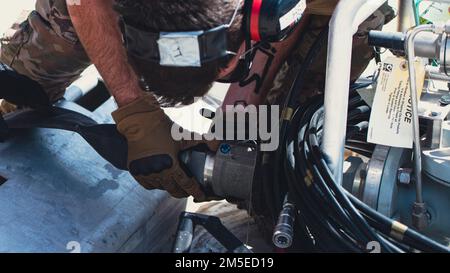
(283, 235)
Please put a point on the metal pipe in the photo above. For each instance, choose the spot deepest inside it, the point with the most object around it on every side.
(410, 49)
(406, 15)
(427, 44)
(434, 73)
(283, 235)
(81, 87)
(347, 17)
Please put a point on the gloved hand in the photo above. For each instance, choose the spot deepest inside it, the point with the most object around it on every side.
(152, 152)
(6, 107)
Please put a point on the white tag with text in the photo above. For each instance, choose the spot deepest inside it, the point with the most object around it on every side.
(179, 49)
(391, 121)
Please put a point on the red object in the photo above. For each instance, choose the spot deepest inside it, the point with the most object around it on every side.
(254, 21)
(280, 250)
(246, 95)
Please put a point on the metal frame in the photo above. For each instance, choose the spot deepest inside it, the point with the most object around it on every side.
(186, 231)
(349, 14)
(406, 15)
(411, 35)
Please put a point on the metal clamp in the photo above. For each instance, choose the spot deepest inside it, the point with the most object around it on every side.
(212, 224)
(349, 14)
(283, 235)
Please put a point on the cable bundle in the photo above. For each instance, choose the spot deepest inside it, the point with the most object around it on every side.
(330, 218)
(335, 220)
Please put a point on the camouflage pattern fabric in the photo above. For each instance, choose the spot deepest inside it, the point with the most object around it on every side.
(45, 48)
(321, 7)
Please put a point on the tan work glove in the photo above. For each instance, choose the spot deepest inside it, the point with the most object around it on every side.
(6, 107)
(152, 152)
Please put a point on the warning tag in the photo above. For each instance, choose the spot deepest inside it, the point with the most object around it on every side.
(391, 121)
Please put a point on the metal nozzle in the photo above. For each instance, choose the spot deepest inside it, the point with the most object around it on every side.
(283, 235)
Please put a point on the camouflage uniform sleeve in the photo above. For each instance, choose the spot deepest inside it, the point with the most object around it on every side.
(45, 48)
(321, 7)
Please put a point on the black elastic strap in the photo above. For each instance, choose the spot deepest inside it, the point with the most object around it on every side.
(104, 138)
(21, 90)
(143, 45)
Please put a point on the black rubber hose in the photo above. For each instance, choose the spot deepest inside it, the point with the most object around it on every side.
(319, 225)
(341, 213)
(389, 40)
(411, 238)
(330, 210)
(294, 92)
(417, 240)
(344, 201)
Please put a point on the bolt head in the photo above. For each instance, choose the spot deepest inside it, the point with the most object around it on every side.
(420, 216)
(434, 114)
(445, 100)
(404, 176)
(225, 148)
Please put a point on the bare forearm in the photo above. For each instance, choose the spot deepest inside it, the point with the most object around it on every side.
(96, 24)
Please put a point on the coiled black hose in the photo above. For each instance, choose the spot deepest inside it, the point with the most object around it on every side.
(332, 219)
(336, 220)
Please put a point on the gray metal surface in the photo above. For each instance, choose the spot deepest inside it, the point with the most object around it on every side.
(395, 200)
(234, 172)
(411, 54)
(227, 174)
(372, 183)
(445, 53)
(405, 15)
(427, 45)
(388, 195)
(60, 194)
(436, 152)
(349, 14)
(379, 187)
(436, 196)
(436, 115)
(434, 73)
(436, 163)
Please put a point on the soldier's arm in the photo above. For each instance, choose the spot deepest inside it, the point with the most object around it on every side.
(96, 24)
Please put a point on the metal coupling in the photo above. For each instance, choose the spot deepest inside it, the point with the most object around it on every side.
(405, 176)
(283, 235)
(420, 218)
